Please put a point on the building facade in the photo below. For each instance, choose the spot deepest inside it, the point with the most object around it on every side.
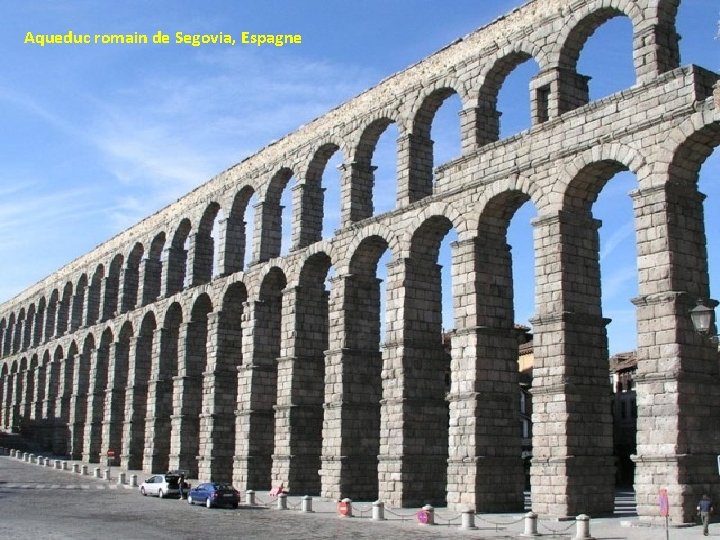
(259, 375)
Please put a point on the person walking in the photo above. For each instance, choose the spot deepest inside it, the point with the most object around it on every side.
(705, 507)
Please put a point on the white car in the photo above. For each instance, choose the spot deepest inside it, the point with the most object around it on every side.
(162, 485)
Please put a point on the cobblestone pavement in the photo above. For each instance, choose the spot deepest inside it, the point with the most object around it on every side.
(41, 502)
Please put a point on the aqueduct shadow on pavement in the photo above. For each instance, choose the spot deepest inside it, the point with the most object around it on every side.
(269, 377)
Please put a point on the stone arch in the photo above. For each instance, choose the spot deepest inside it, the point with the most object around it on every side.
(38, 325)
(270, 232)
(420, 160)
(175, 264)
(110, 301)
(486, 119)
(299, 418)
(18, 331)
(163, 372)
(359, 177)
(118, 376)
(29, 327)
(193, 364)
(257, 383)
(203, 246)
(131, 278)
(78, 303)
(69, 364)
(92, 313)
(312, 204)
(139, 381)
(220, 385)
(9, 333)
(100, 360)
(651, 55)
(689, 145)
(151, 272)
(236, 232)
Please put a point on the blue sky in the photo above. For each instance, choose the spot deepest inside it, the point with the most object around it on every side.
(96, 137)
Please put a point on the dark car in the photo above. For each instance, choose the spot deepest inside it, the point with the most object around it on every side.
(214, 494)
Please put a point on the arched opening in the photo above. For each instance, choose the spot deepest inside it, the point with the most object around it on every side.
(112, 288)
(415, 367)
(373, 174)
(435, 139)
(176, 259)
(79, 401)
(152, 270)
(131, 278)
(18, 331)
(94, 291)
(78, 303)
(62, 439)
(606, 55)
(99, 366)
(299, 413)
(39, 326)
(117, 391)
(353, 371)
(140, 381)
(165, 368)
(223, 385)
(190, 387)
(258, 380)
(321, 201)
(30, 395)
(606, 58)
(239, 229)
(513, 77)
(203, 246)
(28, 330)
(276, 233)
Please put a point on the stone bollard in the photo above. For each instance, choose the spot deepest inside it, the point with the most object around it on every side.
(467, 520)
(133, 480)
(66, 466)
(429, 515)
(583, 528)
(531, 530)
(41, 460)
(31, 458)
(121, 478)
(76, 468)
(26, 457)
(282, 501)
(106, 474)
(97, 473)
(58, 464)
(307, 504)
(378, 511)
(85, 470)
(345, 508)
(49, 462)
(12, 452)
(250, 497)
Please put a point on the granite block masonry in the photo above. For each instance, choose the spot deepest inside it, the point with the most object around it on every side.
(165, 346)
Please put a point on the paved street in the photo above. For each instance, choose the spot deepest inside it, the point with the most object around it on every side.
(40, 502)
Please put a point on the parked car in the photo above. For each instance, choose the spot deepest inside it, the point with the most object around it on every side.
(214, 494)
(162, 485)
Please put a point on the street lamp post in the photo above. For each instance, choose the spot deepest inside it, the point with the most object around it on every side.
(702, 318)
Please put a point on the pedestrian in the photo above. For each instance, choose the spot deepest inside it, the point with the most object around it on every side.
(704, 508)
(181, 483)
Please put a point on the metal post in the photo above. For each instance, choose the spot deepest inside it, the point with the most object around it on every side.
(282, 501)
(250, 497)
(307, 504)
(121, 478)
(133, 480)
(97, 472)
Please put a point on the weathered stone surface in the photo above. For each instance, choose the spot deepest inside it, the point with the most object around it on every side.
(258, 376)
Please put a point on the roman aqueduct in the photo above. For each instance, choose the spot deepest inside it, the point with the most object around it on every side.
(255, 374)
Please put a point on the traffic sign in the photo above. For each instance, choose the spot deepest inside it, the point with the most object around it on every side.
(111, 453)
